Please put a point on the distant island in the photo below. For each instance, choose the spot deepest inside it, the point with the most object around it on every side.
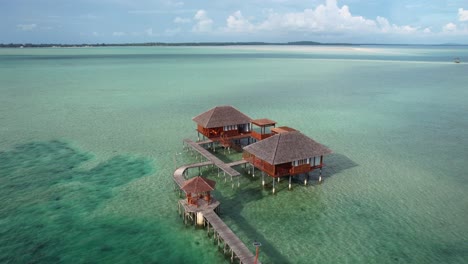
(192, 44)
(164, 44)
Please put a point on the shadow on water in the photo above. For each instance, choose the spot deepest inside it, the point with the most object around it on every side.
(335, 163)
(235, 208)
(46, 202)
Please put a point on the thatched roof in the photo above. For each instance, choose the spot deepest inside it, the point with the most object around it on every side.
(198, 185)
(220, 116)
(287, 147)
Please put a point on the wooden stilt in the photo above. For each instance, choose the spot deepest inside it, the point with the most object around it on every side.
(263, 178)
(320, 176)
(273, 185)
(289, 182)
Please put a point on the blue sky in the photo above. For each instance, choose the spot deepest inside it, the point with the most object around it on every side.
(123, 21)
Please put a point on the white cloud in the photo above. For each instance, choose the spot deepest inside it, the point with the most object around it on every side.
(203, 22)
(427, 30)
(385, 27)
(95, 34)
(327, 18)
(181, 20)
(450, 27)
(237, 23)
(118, 34)
(26, 27)
(462, 15)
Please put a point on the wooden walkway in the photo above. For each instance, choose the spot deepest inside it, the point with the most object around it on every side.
(216, 161)
(238, 248)
(179, 172)
(231, 243)
(235, 163)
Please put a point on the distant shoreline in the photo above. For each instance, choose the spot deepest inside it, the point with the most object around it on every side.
(165, 44)
(195, 44)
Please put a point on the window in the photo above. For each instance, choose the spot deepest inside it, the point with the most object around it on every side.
(228, 128)
(317, 161)
(300, 162)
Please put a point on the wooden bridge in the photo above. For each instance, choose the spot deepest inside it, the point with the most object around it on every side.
(226, 167)
(179, 172)
(230, 243)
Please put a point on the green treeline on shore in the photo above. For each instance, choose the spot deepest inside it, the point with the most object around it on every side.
(150, 44)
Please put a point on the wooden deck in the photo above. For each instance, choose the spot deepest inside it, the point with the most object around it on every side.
(237, 249)
(179, 172)
(235, 163)
(216, 161)
(232, 244)
(225, 233)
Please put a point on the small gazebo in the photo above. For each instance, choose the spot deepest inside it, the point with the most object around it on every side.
(198, 188)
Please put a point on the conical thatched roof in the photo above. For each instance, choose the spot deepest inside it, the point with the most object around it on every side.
(198, 185)
(220, 116)
(287, 147)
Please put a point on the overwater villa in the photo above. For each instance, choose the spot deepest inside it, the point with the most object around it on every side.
(286, 153)
(222, 121)
(275, 151)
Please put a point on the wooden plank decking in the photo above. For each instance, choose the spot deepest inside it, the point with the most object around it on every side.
(179, 172)
(216, 161)
(235, 163)
(238, 247)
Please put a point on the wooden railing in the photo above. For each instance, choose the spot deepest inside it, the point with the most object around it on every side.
(259, 136)
(300, 169)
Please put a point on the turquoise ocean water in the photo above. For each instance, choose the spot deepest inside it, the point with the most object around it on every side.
(89, 138)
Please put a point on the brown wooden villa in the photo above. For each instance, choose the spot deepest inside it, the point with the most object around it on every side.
(286, 153)
(223, 124)
(198, 188)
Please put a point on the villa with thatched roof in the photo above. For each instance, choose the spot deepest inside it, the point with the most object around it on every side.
(286, 153)
(222, 121)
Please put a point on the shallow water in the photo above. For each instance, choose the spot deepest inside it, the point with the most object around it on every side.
(89, 139)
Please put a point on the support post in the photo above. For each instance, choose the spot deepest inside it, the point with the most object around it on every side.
(263, 178)
(273, 185)
(320, 177)
(289, 182)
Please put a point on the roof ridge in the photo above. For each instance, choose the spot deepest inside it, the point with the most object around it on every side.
(211, 115)
(276, 149)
